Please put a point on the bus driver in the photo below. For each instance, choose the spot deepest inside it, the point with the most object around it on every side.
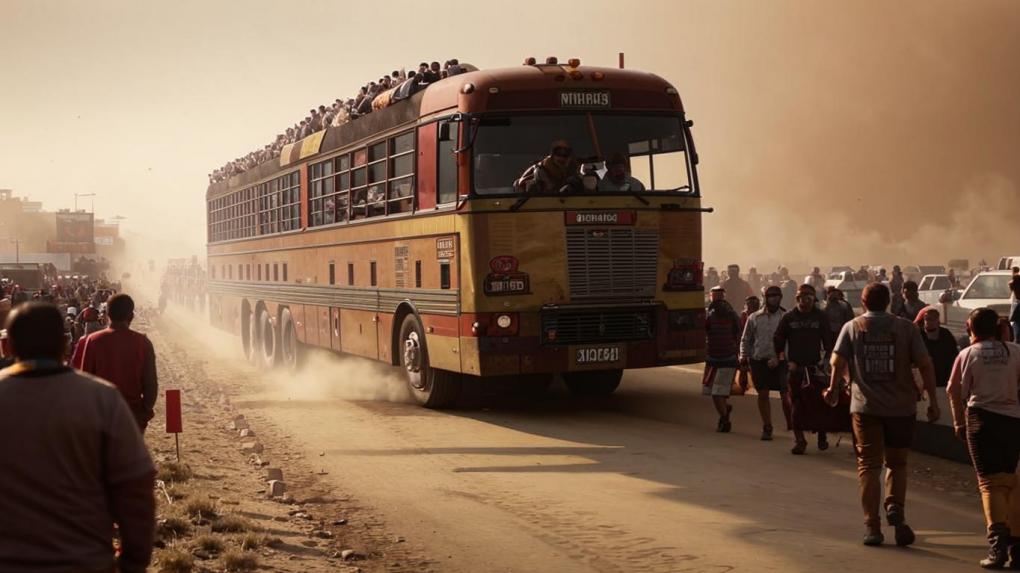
(617, 177)
(557, 170)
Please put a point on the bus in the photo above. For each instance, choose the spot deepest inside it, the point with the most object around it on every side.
(402, 236)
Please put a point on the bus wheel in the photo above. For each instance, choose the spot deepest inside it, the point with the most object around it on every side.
(290, 347)
(598, 383)
(250, 338)
(267, 338)
(432, 388)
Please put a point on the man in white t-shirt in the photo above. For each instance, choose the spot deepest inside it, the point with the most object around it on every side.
(986, 377)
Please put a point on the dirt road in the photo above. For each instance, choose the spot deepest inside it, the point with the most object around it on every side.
(636, 482)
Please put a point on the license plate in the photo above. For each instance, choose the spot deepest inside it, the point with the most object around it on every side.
(597, 355)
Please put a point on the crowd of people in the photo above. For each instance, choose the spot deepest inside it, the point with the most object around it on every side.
(837, 371)
(389, 88)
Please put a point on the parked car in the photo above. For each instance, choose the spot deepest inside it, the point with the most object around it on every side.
(931, 288)
(989, 289)
(844, 281)
(917, 272)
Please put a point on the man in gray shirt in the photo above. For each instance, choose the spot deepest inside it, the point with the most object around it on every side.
(72, 460)
(880, 350)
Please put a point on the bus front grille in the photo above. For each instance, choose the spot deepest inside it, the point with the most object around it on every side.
(612, 263)
(591, 326)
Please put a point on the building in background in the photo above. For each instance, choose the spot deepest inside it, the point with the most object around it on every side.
(73, 241)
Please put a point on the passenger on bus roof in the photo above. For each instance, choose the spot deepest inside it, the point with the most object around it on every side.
(618, 177)
(557, 172)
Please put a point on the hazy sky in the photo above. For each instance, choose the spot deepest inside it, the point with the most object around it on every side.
(854, 131)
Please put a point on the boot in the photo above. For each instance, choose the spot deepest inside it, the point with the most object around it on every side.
(904, 534)
(998, 546)
(1014, 553)
(873, 537)
(766, 434)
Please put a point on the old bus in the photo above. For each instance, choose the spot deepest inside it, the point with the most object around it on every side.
(402, 237)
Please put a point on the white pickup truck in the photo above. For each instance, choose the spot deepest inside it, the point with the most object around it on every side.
(989, 289)
(931, 287)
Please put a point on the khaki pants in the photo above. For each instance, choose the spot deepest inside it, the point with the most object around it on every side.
(882, 440)
(994, 443)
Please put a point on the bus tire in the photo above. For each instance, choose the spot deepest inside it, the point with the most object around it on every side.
(597, 383)
(430, 387)
(268, 349)
(249, 334)
(290, 347)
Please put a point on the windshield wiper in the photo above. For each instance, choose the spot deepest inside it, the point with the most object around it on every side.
(520, 202)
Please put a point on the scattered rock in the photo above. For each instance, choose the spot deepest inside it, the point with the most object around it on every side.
(251, 447)
(349, 555)
(280, 518)
(310, 543)
(322, 534)
(398, 539)
(273, 474)
(241, 424)
(276, 488)
(204, 555)
(247, 433)
(340, 521)
(322, 454)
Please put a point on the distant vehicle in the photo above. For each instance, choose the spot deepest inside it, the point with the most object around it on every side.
(28, 275)
(851, 287)
(931, 287)
(1007, 263)
(989, 289)
(917, 272)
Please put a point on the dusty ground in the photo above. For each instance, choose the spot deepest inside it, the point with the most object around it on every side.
(310, 528)
(635, 482)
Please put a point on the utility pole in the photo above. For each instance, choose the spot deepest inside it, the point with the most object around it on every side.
(17, 250)
(76, 195)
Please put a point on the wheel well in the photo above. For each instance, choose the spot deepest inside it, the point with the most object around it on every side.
(403, 310)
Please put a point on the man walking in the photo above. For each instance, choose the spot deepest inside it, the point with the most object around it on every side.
(912, 303)
(879, 349)
(72, 458)
(802, 339)
(758, 350)
(736, 288)
(124, 358)
(984, 400)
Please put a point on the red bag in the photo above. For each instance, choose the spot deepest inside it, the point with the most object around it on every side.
(811, 413)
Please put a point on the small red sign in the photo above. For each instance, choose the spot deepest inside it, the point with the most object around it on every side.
(174, 424)
(600, 217)
(503, 264)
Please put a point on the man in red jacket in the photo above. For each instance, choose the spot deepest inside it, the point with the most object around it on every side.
(124, 358)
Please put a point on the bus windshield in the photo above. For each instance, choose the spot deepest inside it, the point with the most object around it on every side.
(581, 152)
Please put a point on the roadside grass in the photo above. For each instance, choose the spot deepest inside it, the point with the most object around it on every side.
(172, 527)
(199, 508)
(173, 472)
(251, 541)
(175, 561)
(240, 561)
(231, 523)
(210, 543)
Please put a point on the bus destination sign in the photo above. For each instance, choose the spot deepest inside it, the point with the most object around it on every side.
(600, 217)
(585, 98)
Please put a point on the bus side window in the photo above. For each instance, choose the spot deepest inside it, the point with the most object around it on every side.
(444, 275)
(446, 183)
(350, 274)
(332, 273)
(371, 271)
(284, 272)
(276, 272)
(417, 274)
(258, 268)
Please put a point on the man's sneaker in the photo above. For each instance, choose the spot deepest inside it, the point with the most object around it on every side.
(874, 537)
(823, 441)
(904, 534)
(766, 434)
(799, 449)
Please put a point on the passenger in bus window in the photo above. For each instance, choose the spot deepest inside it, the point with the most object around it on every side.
(618, 177)
(555, 173)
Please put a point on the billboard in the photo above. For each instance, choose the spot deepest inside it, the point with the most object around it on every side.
(74, 234)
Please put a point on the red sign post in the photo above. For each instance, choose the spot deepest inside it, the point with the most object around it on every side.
(174, 423)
